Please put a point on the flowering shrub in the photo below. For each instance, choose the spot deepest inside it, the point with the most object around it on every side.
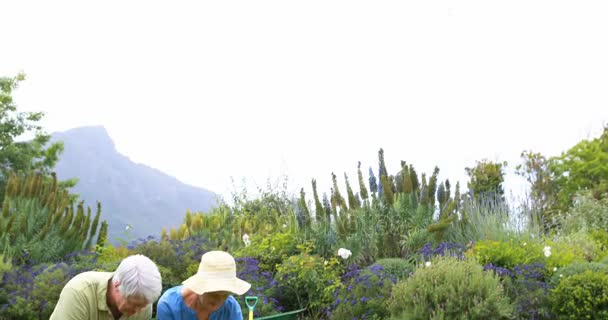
(364, 293)
(450, 288)
(526, 287)
(443, 249)
(262, 285)
(30, 292)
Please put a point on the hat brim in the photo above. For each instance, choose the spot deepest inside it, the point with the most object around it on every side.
(200, 285)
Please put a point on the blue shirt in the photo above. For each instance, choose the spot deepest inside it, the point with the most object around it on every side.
(171, 306)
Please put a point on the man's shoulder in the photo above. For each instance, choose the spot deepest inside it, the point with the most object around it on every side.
(88, 279)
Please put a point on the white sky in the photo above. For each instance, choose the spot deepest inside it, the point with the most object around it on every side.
(255, 89)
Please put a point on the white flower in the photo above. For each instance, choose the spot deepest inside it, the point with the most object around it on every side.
(561, 275)
(284, 225)
(325, 263)
(547, 251)
(554, 269)
(246, 239)
(344, 253)
(427, 264)
(525, 244)
(128, 227)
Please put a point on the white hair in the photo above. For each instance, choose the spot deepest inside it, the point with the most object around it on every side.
(139, 278)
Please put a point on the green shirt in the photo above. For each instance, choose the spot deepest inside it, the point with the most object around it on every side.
(84, 298)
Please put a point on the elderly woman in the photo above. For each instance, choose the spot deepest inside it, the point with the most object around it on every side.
(127, 293)
(206, 295)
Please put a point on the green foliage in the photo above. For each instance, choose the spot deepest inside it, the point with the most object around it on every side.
(562, 251)
(38, 221)
(507, 254)
(21, 309)
(491, 220)
(270, 250)
(486, 179)
(362, 188)
(396, 267)
(601, 237)
(48, 286)
(175, 255)
(587, 213)
(22, 156)
(450, 289)
(306, 216)
(582, 167)
(319, 211)
(535, 169)
(5, 265)
(336, 196)
(353, 201)
(574, 269)
(102, 238)
(581, 296)
(307, 281)
(109, 257)
(577, 247)
(224, 226)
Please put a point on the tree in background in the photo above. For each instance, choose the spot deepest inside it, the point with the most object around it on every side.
(23, 156)
(582, 167)
(486, 179)
(535, 169)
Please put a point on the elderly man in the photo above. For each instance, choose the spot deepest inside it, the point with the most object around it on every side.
(127, 293)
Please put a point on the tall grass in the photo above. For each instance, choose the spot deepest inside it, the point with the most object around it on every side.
(494, 219)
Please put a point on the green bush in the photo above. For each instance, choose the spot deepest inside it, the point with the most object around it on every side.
(587, 213)
(48, 286)
(563, 251)
(270, 250)
(110, 257)
(574, 269)
(21, 309)
(581, 296)
(576, 247)
(507, 254)
(450, 289)
(396, 267)
(601, 237)
(307, 281)
(604, 261)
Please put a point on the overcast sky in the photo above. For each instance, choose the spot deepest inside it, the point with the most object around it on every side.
(255, 89)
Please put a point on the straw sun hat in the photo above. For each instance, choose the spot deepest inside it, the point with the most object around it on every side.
(216, 272)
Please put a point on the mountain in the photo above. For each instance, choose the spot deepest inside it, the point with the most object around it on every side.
(130, 193)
